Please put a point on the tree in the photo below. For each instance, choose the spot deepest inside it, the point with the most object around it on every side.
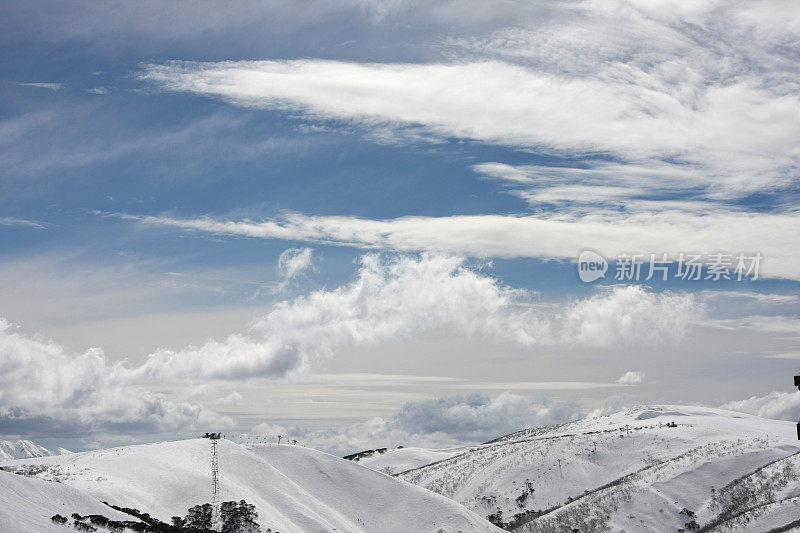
(248, 517)
(229, 513)
(239, 518)
(200, 517)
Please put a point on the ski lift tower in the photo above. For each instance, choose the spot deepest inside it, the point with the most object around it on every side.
(214, 438)
(797, 384)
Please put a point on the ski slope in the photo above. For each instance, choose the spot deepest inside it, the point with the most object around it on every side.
(635, 471)
(26, 504)
(402, 459)
(294, 489)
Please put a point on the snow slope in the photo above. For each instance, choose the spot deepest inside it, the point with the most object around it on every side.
(629, 471)
(402, 459)
(20, 449)
(27, 504)
(294, 489)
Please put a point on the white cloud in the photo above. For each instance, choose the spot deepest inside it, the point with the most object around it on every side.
(43, 85)
(40, 380)
(391, 298)
(232, 399)
(758, 297)
(631, 377)
(438, 422)
(11, 221)
(758, 323)
(631, 315)
(738, 132)
(787, 355)
(294, 261)
(562, 236)
(778, 405)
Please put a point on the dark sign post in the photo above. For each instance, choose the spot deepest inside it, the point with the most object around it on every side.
(797, 384)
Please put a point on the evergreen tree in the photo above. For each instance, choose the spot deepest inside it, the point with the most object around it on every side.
(248, 517)
(239, 518)
(199, 517)
(229, 513)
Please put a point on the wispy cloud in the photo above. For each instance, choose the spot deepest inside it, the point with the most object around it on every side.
(11, 221)
(758, 297)
(553, 235)
(294, 261)
(738, 135)
(42, 85)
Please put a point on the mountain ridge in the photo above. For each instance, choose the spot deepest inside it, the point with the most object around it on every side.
(23, 449)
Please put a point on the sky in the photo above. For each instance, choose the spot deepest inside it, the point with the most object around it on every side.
(359, 223)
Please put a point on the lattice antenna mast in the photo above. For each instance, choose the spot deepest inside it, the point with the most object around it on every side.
(214, 438)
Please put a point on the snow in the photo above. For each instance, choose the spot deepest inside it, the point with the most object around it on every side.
(27, 504)
(20, 449)
(294, 489)
(654, 469)
(402, 459)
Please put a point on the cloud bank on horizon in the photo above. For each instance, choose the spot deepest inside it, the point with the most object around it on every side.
(402, 297)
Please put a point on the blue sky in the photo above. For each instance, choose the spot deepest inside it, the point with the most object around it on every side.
(158, 161)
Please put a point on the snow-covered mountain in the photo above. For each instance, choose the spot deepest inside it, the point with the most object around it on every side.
(21, 449)
(646, 469)
(294, 489)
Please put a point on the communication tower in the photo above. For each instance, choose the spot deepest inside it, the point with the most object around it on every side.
(214, 438)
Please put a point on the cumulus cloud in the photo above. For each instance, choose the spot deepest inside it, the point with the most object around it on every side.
(630, 315)
(399, 296)
(40, 380)
(631, 377)
(474, 416)
(438, 422)
(778, 405)
(390, 298)
(232, 399)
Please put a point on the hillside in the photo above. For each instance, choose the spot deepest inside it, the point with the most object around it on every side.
(294, 489)
(402, 459)
(21, 449)
(633, 470)
(26, 504)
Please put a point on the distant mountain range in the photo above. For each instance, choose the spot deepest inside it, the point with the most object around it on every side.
(23, 449)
